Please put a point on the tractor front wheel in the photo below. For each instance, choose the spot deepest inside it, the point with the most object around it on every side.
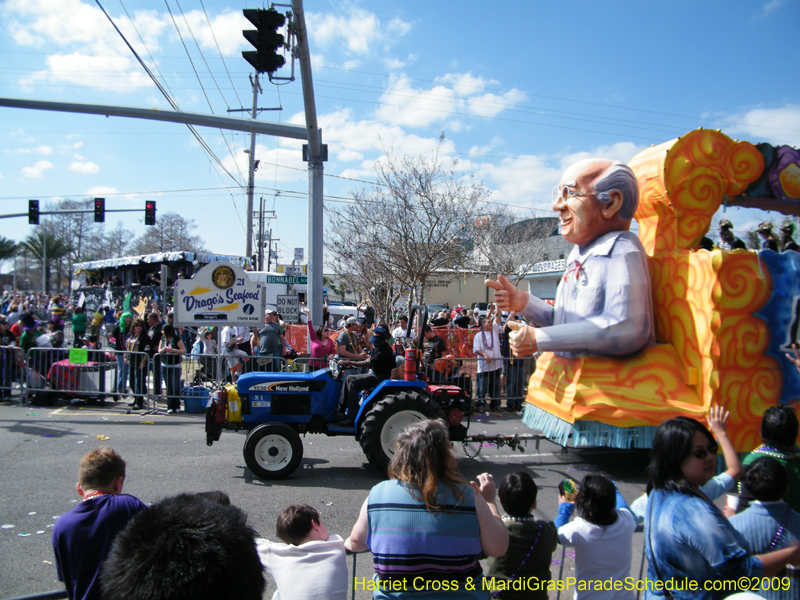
(273, 451)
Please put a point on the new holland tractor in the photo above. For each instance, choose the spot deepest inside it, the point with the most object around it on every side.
(275, 408)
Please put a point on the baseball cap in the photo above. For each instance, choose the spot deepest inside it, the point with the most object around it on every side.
(379, 334)
(361, 320)
(351, 321)
(269, 311)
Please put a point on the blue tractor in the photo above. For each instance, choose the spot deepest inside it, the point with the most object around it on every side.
(276, 407)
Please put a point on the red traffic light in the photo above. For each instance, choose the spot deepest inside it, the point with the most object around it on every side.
(99, 210)
(150, 212)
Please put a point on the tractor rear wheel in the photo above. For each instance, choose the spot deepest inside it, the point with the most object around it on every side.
(388, 418)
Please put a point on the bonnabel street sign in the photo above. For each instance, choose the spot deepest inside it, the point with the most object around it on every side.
(219, 294)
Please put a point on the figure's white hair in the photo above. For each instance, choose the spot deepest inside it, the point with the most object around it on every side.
(621, 178)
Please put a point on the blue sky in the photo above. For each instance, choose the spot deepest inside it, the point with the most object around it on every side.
(520, 90)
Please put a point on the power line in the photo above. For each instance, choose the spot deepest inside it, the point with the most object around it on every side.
(211, 29)
(174, 105)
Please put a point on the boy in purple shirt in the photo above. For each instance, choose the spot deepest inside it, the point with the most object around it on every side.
(82, 537)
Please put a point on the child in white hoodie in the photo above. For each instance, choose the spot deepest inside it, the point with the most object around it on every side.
(311, 564)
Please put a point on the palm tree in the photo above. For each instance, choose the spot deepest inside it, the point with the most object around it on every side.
(8, 249)
(55, 248)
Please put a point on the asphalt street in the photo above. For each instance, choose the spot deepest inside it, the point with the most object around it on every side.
(40, 449)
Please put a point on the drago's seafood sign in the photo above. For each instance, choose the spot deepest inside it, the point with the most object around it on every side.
(220, 293)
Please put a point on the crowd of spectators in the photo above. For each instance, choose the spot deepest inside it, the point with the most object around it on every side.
(427, 529)
(148, 354)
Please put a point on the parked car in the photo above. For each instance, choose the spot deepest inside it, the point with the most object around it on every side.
(481, 308)
(435, 308)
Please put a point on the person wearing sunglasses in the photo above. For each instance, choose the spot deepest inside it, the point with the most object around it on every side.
(604, 302)
(688, 540)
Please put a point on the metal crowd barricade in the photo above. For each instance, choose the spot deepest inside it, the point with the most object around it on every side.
(509, 382)
(12, 371)
(49, 375)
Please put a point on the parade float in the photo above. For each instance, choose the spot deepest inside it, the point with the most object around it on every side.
(724, 320)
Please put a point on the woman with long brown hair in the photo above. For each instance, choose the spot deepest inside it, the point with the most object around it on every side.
(426, 526)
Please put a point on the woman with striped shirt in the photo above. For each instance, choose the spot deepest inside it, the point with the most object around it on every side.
(426, 526)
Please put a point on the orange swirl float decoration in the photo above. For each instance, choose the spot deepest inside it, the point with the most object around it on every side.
(710, 346)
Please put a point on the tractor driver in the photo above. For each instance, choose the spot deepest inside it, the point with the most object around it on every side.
(381, 361)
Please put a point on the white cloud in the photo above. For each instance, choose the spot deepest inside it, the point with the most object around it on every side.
(528, 180)
(405, 106)
(490, 105)
(349, 155)
(37, 170)
(456, 93)
(78, 156)
(86, 167)
(623, 151)
(366, 136)
(101, 191)
(771, 6)
(394, 63)
(356, 31)
(227, 29)
(775, 125)
(77, 144)
(477, 150)
(287, 155)
(464, 84)
(38, 150)
(115, 73)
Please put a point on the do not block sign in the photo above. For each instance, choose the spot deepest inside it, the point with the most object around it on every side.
(289, 308)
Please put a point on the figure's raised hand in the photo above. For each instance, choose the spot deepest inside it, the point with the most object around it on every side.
(506, 295)
(522, 338)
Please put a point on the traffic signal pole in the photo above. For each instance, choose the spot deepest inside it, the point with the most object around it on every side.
(296, 132)
(315, 168)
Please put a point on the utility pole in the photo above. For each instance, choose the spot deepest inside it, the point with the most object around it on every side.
(249, 228)
(261, 235)
(262, 215)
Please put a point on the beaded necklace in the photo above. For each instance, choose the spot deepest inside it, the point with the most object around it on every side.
(486, 344)
(777, 453)
(528, 555)
(528, 519)
(781, 529)
(93, 495)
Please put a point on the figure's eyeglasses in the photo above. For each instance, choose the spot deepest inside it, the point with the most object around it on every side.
(701, 453)
(565, 193)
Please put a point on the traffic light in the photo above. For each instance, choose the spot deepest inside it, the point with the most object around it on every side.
(150, 212)
(267, 41)
(33, 212)
(99, 210)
